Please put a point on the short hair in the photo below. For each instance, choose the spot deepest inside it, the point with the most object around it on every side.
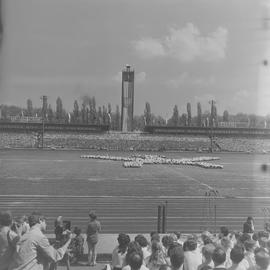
(244, 237)
(237, 254)
(34, 218)
(262, 259)
(178, 234)
(141, 240)
(123, 241)
(225, 243)
(135, 260)
(207, 240)
(190, 244)
(77, 230)
(155, 237)
(263, 234)
(219, 256)
(263, 242)
(224, 230)
(133, 247)
(5, 218)
(255, 236)
(92, 214)
(177, 257)
(207, 251)
(167, 241)
(249, 245)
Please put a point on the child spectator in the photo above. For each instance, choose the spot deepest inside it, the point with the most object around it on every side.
(237, 255)
(207, 252)
(76, 246)
(193, 257)
(249, 258)
(142, 241)
(219, 258)
(177, 258)
(119, 253)
(262, 259)
(157, 258)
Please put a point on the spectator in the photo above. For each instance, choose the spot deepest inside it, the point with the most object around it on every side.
(8, 239)
(133, 247)
(178, 235)
(20, 225)
(135, 261)
(226, 245)
(193, 257)
(207, 252)
(76, 246)
(262, 259)
(92, 231)
(142, 241)
(157, 257)
(119, 253)
(249, 258)
(177, 258)
(34, 249)
(237, 255)
(167, 241)
(219, 258)
(248, 226)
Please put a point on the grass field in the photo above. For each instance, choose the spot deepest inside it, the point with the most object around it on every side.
(60, 183)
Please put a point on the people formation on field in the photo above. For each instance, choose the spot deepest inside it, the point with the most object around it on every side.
(23, 245)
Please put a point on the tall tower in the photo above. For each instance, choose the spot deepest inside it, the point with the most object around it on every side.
(127, 107)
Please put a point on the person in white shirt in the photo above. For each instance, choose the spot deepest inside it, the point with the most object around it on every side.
(219, 258)
(237, 255)
(193, 257)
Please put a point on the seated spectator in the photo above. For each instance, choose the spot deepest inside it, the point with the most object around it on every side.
(119, 253)
(178, 235)
(76, 246)
(226, 245)
(248, 226)
(237, 255)
(133, 247)
(262, 259)
(142, 241)
(135, 261)
(157, 257)
(167, 241)
(219, 258)
(207, 252)
(177, 258)
(8, 239)
(34, 247)
(249, 258)
(263, 243)
(193, 257)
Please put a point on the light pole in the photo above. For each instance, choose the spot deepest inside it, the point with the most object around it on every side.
(44, 104)
(212, 102)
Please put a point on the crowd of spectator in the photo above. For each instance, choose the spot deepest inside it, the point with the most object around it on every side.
(23, 245)
(132, 141)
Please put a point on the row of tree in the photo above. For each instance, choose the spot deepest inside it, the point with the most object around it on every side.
(89, 113)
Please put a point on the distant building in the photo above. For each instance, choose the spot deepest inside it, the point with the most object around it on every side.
(234, 124)
(25, 119)
(127, 107)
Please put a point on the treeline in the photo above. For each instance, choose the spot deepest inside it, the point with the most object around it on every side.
(88, 112)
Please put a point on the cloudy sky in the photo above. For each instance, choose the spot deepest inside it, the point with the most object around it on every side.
(182, 51)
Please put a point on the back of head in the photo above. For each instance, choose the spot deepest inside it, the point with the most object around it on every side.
(177, 257)
(237, 254)
(190, 244)
(135, 260)
(141, 240)
(167, 240)
(34, 218)
(263, 234)
(77, 230)
(178, 234)
(244, 237)
(123, 241)
(207, 251)
(155, 237)
(5, 218)
(225, 243)
(262, 259)
(219, 256)
(133, 247)
(92, 215)
(224, 230)
(250, 245)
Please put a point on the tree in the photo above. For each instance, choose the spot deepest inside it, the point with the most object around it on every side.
(117, 118)
(83, 113)
(50, 113)
(99, 115)
(188, 114)
(147, 114)
(76, 112)
(59, 109)
(225, 116)
(93, 111)
(175, 116)
(29, 110)
(199, 114)
(184, 119)
(104, 115)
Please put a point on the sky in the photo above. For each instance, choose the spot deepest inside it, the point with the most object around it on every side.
(182, 51)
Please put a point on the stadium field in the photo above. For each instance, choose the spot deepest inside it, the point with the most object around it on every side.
(126, 200)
